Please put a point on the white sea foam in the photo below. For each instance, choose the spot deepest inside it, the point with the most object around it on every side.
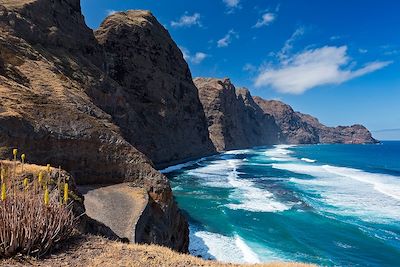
(280, 153)
(370, 196)
(180, 166)
(220, 247)
(249, 256)
(251, 198)
(238, 152)
(245, 194)
(308, 160)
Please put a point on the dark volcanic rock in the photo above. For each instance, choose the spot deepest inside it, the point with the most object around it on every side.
(355, 134)
(159, 111)
(52, 85)
(298, 128)
(293, 129)
(234, 120)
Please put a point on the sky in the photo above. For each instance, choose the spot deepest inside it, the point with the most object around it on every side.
(337, 60)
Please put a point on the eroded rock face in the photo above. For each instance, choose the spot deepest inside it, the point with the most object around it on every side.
(159, 111)
(293, 129)
(52, 87)
(234, 120)
(299, 128)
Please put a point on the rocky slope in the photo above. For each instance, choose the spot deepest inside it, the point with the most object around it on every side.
(298, 128)
(158, 108)
(234, 120)
(53, 95)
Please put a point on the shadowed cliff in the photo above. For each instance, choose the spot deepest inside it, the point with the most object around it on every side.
(53, 90)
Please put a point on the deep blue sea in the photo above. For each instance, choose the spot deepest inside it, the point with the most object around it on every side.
(333, 205)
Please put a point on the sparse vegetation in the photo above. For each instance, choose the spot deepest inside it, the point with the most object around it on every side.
(35, 211)
(97, 251)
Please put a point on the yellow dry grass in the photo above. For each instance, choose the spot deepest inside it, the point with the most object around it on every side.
(28, 168)
(98, 251)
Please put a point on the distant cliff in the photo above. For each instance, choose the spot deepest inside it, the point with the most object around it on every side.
(298, 128)
(234, 120)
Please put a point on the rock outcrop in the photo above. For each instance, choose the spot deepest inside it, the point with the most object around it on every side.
(158, 108)
(53, 86)
(298, 128)
(234, 120)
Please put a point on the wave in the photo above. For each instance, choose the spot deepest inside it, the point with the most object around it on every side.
(371, 196)
(220, 247)
(250, 197)
(308, 160)
(180, 166)
(245, 194)
(280, 153)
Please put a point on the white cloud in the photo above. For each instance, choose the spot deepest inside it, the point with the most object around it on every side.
(227, 39)
(335, 37)
(311, 68)
(265, 20)
(231, 3)
(197, 58)
(287, 47)
(187, 20)
(249, 67)
(362, 51)
(111, 12)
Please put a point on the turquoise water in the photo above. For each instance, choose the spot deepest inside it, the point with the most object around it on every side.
(333, 205)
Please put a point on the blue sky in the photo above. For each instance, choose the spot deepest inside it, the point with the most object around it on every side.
(338, 60)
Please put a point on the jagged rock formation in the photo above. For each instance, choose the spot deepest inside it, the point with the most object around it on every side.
(158, 108)
(53, 90)
(234, 120)
(298, 128)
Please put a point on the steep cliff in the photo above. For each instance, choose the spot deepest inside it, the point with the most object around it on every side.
(298, 128)
(234, 120)
(52, 90)
(160, 112)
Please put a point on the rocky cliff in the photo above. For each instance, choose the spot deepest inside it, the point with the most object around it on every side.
(298, 128)
(54, 90)
(234, 120)
(158, 108)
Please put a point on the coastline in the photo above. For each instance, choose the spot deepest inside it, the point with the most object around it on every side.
(303, 171)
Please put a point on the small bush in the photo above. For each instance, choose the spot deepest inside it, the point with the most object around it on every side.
(34, 213)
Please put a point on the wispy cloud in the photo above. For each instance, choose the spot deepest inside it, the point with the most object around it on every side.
(110, 12)
(227, 39)
(266, 19)
(312, 68)
(196, 58)
(232, 5)
(187, 20)
(249, 67)
(283, 54)
(362, 51)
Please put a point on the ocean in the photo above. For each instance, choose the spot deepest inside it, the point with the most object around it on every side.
(332, 205)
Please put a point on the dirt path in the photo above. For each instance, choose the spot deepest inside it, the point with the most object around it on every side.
(117, 206)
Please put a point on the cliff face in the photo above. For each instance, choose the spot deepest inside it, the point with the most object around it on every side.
(293, 129)
(52, 90)
(160, 112)
(298, 128)
(234, 120)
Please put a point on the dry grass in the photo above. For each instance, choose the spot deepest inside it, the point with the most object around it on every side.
(97, 251)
